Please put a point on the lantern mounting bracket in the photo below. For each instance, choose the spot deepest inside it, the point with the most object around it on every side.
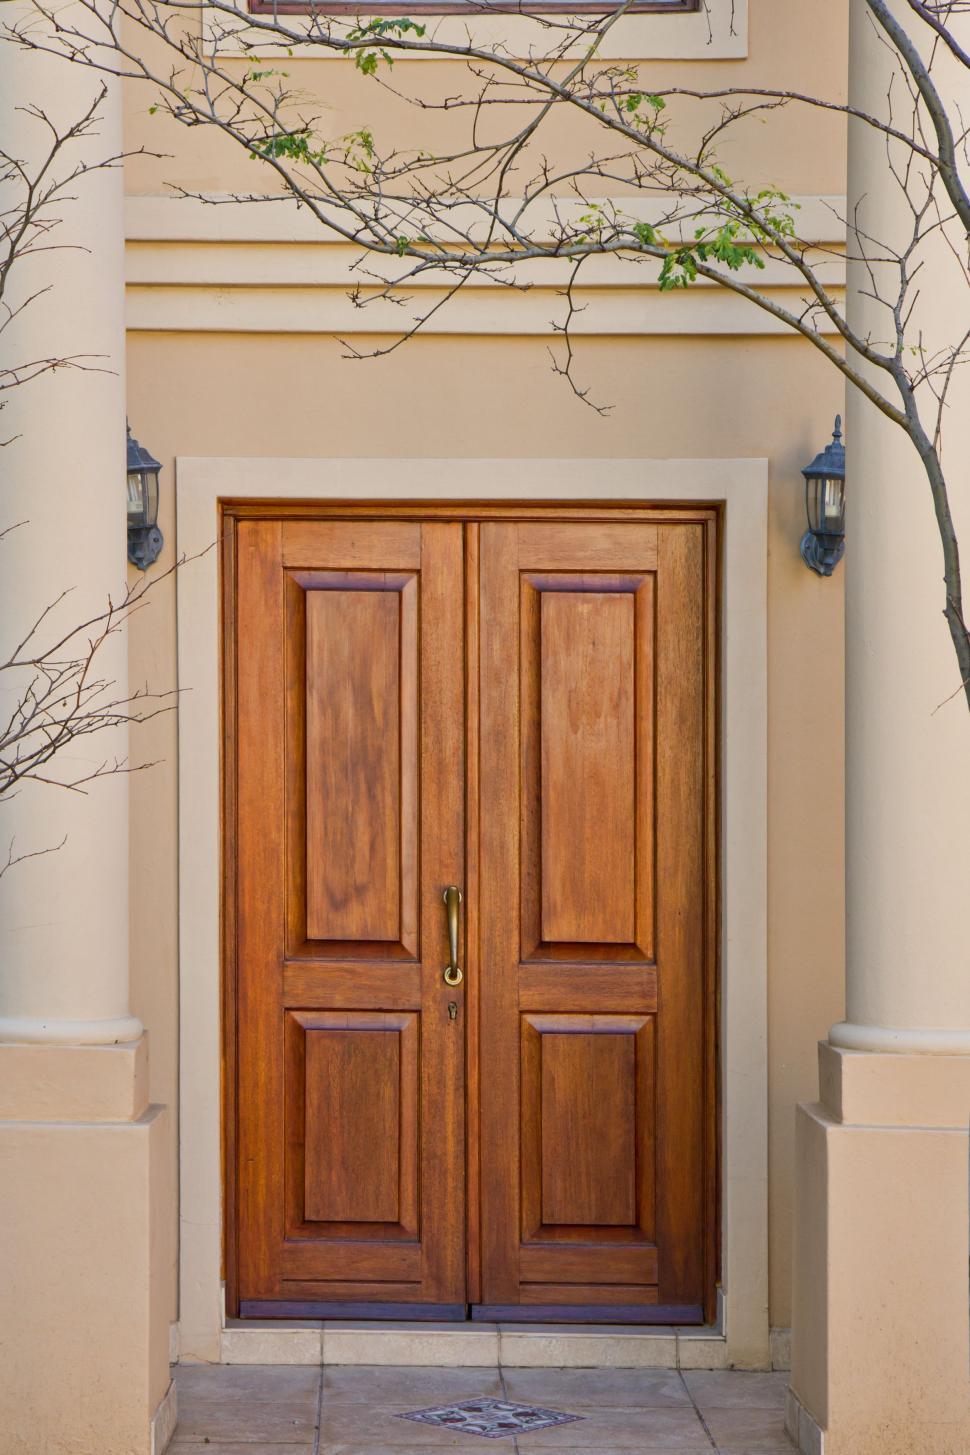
(818, 557)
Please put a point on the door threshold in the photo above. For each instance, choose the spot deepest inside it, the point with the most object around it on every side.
(473, 1345)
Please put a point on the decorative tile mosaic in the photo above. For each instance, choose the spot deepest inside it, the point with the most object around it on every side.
(491, 1418)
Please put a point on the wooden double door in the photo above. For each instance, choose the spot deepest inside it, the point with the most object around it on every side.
(518, 704)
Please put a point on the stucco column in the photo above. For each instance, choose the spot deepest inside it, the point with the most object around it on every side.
(880, 1351)
(64, 914)
(907, 724)
(83, 1172)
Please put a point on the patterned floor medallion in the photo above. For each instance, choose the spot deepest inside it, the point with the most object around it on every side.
(491, 1418)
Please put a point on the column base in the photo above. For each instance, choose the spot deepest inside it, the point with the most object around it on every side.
(880, 1341)
(900, 1040)
(83, 1255)
(22, 1030)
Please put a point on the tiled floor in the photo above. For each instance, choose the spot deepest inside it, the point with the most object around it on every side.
(267, 1410)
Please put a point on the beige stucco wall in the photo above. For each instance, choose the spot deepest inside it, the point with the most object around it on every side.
(268, 394)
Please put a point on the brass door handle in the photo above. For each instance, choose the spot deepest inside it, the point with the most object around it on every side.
(452, 899)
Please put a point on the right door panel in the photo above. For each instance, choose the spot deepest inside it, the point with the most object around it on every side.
(596, 1132)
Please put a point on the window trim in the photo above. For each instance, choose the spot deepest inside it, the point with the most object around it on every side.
(470, 7)
(710, 30)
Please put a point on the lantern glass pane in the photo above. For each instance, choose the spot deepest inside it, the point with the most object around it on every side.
(136, 499)
(151, 497)
(830, 506)
(812, 503)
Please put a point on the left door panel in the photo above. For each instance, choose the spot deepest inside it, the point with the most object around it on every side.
(348, 790)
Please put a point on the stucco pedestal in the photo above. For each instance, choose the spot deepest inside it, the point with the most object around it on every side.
(84, 1337)
(880, 1351)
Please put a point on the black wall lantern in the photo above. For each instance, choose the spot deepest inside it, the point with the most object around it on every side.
(144, 537)
(823, 544)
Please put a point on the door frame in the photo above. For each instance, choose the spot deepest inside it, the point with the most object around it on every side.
(738, 488)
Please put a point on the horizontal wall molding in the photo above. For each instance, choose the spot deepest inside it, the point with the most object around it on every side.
(267, 267)
(305, 311)
(219, 218)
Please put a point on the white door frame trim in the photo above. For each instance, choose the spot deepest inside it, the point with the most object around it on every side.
(742, 1338)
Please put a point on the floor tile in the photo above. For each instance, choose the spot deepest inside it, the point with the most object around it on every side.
(599, 1388)
(379, 1384)
(256, 1380)
(736, 1389)
(644, 1430)
(252, 1403)
(747, 1431)
(239, 1421)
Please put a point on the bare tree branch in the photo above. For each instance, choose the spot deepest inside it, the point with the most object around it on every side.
(493, 201)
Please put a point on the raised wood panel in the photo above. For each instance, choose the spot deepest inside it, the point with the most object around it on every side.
(332, 884)
(359, 750)
(353, 674)
(352, 1125)
(587, 674)
(588, 767)
(352, 1168)
(587, 1127)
